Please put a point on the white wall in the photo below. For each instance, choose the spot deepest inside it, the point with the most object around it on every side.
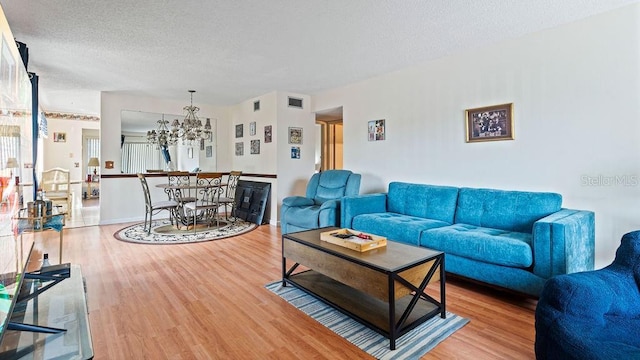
(294, 174)
(575, 91)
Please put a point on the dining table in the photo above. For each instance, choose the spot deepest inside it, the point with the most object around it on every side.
(187, 193)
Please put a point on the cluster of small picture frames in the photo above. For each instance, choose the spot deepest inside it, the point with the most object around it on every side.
(295, 138)
(254, 146)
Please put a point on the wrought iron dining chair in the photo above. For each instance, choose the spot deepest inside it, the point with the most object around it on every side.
(152, 208)
(229, 198)
(207, 191)
(179, 178)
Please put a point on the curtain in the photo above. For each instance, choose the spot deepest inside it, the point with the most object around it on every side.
(165, 153)
(34, 130)
(138, 157)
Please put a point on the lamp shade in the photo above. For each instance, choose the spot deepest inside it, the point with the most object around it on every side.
(12, 163)
(94, 161)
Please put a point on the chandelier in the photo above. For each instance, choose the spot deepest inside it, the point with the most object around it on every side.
(163, 136)
(190, 131)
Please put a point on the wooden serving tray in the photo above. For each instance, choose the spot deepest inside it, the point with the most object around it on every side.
(354, 242)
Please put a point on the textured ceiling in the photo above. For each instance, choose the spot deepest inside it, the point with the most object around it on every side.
(230, 51)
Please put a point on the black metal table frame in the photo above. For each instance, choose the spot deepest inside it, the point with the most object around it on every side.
(396, 329)
(180, 214)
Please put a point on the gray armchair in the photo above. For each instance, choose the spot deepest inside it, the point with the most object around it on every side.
(321, 205)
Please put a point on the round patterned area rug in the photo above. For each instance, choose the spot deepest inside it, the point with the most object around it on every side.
(162, 232)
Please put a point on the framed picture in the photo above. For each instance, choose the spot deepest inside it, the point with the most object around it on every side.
(59, 137)
(295, 152)
(267, 134)
(255, 146)
(252, 128)
(295, 135)
(239, 131)
(376, 130)
(209, 151)
(489, 123)
(239, 148)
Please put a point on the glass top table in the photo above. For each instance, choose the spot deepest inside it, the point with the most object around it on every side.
(62, 306)
(29, 223)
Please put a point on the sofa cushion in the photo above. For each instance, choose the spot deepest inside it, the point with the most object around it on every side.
(505, 210)
(483, 244)
(425, 201)
(396, 227)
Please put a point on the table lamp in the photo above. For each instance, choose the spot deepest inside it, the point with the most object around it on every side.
(12, 163)
(94, 162)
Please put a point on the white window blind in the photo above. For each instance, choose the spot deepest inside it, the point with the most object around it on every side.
(138, 157)
(93, 148)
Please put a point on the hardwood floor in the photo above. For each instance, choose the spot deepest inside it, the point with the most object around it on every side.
(208, 301)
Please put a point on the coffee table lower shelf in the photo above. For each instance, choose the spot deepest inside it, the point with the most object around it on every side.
(364, 308)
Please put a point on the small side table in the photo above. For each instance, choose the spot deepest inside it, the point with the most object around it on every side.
(89, 185)
(25, 223)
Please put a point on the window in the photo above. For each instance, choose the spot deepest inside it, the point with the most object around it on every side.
(138, 157)
(93, 150)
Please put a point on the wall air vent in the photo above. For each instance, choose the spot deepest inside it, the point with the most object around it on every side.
(256, 105)
(295, 102)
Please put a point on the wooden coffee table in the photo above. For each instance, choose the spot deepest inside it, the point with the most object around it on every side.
(382, 288)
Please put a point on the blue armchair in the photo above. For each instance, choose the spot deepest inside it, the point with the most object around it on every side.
(593, 314)
(321, 205)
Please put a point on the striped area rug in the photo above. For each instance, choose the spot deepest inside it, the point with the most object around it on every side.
(411, 345)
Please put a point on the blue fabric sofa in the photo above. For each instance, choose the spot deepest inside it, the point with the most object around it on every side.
(320, 207)
(512, 239)
(593, 314)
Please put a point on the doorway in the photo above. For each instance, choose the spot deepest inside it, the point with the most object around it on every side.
(86, 202)
(329, 152)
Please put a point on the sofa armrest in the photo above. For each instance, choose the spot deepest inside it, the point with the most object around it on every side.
(351, 206)
(565, 295)
(329, 213)
(564, 242)
(295, 201)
